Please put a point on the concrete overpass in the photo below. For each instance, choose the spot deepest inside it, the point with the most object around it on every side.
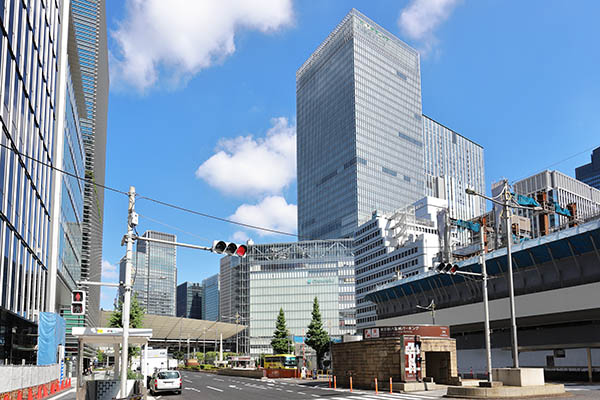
(557, 288)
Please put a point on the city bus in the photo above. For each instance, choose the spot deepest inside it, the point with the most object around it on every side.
(281, 361)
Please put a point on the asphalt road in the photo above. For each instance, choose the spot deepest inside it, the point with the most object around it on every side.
(198, 385)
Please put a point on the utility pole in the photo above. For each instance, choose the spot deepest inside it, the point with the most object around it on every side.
(486, 309)
(511, 287)
(132, 220)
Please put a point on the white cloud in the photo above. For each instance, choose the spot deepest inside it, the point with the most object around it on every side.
(184, 36)
(272, 212)
(249, 166)
(109, 271)
(420, 19)
(240, 237)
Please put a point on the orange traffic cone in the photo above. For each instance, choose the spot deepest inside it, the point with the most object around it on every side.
(30, 394)
(20, 395)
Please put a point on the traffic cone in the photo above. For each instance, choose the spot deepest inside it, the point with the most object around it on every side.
(44, 391)
(20, 395)
(30, 394)
(38, 393)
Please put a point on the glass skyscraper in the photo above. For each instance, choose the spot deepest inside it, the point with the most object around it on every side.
(190, 300)
(359, 129)
(42, 105)
(210, 302)
(155, 274)
(89, 23)
(590, 173)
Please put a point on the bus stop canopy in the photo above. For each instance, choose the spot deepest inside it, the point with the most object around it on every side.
(166, 328)
(108, 336)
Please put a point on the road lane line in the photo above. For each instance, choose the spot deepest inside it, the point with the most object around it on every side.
(214, 388)
(217, 379)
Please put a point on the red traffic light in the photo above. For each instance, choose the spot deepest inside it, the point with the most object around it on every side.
(78, 296)
(241, 250)
(228, 248)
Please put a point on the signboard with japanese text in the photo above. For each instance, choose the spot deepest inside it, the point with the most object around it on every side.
(412, 359)
(401, 330)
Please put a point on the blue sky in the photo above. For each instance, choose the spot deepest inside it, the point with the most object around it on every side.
(202, 101)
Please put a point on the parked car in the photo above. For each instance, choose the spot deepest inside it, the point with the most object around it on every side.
(166, 381)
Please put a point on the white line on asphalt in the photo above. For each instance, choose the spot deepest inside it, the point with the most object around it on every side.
(290, 391)
(217, 379)
(301, 393)
(63, 394)
(315, 395)
(214, 388)
(194, 389)
(187, 380)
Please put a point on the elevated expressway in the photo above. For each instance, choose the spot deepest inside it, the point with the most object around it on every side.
(557, 289)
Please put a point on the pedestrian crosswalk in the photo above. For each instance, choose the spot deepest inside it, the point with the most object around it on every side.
(361, 395)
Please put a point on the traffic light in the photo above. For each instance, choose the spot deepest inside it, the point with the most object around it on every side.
(447, 268)
(78, 302)
(230, 249)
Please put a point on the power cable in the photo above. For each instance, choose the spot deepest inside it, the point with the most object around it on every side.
(189, 210)
(63, 171)
(173, 227)
(145, 197)
(558, 162)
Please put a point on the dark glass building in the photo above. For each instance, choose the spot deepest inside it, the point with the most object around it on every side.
(190, 299)
(590, 173)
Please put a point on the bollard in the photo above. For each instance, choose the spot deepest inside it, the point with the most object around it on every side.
(350, 384)
(390, 384)
(376, 391)
(334, 383)
(329, 380)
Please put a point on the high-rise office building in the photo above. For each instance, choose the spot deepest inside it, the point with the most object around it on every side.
(290, 276)
(42, 209)
(590, 173)
(89, 18)
(453, 163)
(155, 273)
(190, 300)
(230, 277)
(210, 302)
(359, 129)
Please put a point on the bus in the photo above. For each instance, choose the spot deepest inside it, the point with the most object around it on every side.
(281, 361)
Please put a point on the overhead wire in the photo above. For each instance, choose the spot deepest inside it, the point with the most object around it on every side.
(199, 213)
(558, 162)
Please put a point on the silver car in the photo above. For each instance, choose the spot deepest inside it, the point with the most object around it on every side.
(166, 381)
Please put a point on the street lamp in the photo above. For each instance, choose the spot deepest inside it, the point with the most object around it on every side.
(511, 290)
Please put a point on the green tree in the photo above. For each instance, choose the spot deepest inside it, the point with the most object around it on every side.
(136, 315)
(316, 336)
(101, 357)
(281, 342)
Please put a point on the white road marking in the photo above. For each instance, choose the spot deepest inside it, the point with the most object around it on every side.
(64, 394)
(214, 388)
(194, 389)
(315, 395)
(187, 380)
(217, 379)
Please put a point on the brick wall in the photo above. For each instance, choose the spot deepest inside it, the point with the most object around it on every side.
(381, 358)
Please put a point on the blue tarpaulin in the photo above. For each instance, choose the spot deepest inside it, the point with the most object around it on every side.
(562, 211)
(527, 201)
(51, 333)
(472, 226)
